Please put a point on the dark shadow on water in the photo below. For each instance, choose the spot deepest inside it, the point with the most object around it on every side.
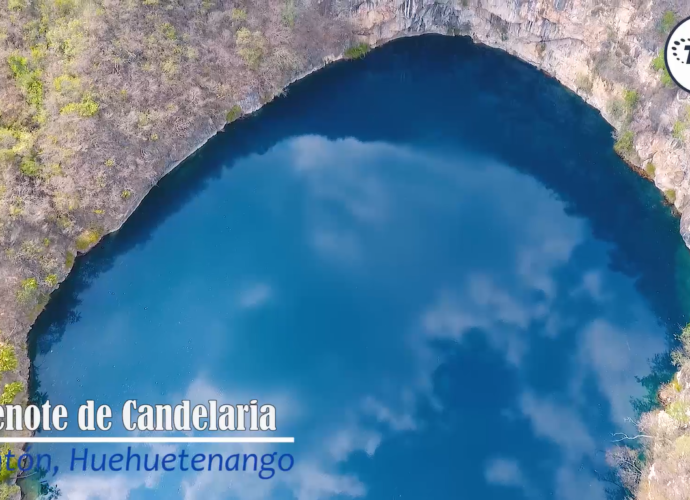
(425, 90)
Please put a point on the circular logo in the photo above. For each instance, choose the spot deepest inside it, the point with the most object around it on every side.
(678, 54)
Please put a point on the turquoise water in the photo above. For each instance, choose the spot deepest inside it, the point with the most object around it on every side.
(429, 260)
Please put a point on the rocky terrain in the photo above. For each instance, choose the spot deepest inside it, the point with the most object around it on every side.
(100, 98)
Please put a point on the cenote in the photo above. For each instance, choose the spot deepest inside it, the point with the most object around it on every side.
(429, 260)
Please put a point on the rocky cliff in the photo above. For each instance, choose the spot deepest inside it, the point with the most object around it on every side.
(100, 98)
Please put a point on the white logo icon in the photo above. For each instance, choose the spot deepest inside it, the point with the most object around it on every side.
(678, 55)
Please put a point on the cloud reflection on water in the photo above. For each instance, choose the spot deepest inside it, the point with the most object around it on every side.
(415, 291)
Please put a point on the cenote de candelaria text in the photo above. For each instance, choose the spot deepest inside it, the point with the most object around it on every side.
(143, 417)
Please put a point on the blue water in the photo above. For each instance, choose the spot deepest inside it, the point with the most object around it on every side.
(429, 260)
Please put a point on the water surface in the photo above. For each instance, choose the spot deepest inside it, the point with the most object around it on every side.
(430, 260)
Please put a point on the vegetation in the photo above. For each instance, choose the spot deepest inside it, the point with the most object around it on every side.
(622, 109)
(30, 167)
(659, 65)
(357, 51)
(86, 108)
(168, 31)
(680, 355)
(238, 15)
(670, 195)
(27, 79)
(675, 384)
(5, 473)
(289, 13)
(650, 168)
(631, 99)
(69, 260)
(681, 125)
(679, 129)
(10, 392)
(66, 84)
(668, 22)
(251, 46)
(624, 145)
(8, 491)
(8, 359)
(679, 411)
(659, 62)
(87, 239)
(28, 291)
(234, 113)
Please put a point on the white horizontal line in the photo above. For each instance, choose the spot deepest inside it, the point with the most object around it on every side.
(216, 440)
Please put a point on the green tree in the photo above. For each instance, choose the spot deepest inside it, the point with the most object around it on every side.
(8, 358)
(667, 22)
(10, 392)
(357, 51)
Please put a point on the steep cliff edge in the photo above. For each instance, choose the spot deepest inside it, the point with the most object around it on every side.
(99, 99)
